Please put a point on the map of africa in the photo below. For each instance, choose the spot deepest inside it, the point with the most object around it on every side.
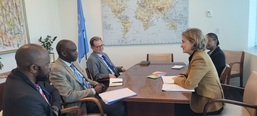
(131, 22)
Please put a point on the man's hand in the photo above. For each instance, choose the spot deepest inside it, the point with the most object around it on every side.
(123, 69)
(111, 76)
(98, 88)
(104, 88)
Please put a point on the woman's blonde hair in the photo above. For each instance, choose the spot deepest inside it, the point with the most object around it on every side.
(196, 37)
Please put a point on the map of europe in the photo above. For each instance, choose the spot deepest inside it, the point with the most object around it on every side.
(132, 22)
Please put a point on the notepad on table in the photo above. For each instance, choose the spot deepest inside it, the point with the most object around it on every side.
(115, 82)
(175, 87)
(113, 96)
(177, 66)
(168, 79)
(169, 85)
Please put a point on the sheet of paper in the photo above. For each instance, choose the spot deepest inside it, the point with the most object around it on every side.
(115, 82)
(177, 66)
(110, 97)
(168, 79)
(175, 87)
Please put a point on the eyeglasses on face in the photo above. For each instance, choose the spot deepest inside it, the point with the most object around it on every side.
(100, 46)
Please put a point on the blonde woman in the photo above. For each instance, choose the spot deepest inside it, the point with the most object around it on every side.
(201, 75)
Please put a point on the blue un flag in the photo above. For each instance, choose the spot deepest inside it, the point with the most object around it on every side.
(83, 48)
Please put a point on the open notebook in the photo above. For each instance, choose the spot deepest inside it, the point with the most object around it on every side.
(169, 85)
(113, 96)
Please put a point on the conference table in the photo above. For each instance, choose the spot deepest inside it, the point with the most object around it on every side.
(150, 99)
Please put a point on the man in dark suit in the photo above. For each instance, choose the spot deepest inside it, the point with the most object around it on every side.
(73, 84)
(26, 92)
(216, 54)
(99, 64)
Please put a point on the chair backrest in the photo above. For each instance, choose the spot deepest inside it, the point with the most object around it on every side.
(159, 57)
(88, 74)
(224, 75)
(234, 56)
(250, 93)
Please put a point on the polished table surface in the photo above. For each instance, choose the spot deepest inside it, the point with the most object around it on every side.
(149, 91)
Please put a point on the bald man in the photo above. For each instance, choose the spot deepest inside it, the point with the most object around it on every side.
(73, 84)
(26, 92)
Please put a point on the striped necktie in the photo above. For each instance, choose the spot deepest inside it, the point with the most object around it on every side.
(82, 80)
(41, 92)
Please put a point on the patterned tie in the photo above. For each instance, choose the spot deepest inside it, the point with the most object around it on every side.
(82, 80)
(110, 66)
(41, 92)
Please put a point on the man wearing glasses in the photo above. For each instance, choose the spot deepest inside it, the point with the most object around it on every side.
(99, 64)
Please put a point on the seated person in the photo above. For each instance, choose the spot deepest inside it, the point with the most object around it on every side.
(73, 84)
(216, 54)
(26, 92)
(99, 64)
(201, 75)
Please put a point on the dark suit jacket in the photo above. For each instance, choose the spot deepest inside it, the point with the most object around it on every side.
(201, 75)
(218, 59)
(97, 67)
(21, 97)
(70, 88)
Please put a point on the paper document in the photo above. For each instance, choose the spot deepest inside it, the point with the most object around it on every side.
(115, 82)
(168, 79)
(110, 97)
(175, 87)
(177, 66)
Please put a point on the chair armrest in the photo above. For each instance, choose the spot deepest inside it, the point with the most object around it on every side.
(226, 101)
(89, 99)
(233, 92)
(233, 63)
(72, 108)
(96, 101)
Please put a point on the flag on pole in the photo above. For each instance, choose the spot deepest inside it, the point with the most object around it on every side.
(83, 48)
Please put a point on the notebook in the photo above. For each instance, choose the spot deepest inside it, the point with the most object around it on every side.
(113, 96)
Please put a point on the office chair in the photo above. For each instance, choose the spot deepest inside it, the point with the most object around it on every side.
(159, 57)
(235, 108)
(87, 99)
(105, 81)
(235, 59)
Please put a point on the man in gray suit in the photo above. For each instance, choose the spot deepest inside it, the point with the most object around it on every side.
(99, 64)
(72, 83)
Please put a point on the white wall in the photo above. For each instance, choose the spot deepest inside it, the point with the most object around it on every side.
(59, 17)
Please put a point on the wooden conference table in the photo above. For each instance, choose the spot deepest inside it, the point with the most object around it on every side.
(150, 99)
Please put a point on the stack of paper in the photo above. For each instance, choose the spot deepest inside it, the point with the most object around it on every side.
(168, 85)
(110, 97)
(115, 82)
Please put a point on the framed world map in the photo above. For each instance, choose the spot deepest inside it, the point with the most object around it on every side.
(132, 22)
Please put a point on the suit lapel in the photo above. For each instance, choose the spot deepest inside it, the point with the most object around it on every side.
(100, 60)
(69, 70)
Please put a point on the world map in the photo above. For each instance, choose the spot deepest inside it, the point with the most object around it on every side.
(131, 22)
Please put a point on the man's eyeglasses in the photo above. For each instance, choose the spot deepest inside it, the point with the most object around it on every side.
(99, 46)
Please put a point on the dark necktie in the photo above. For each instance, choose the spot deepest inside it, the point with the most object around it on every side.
(85, 83)
(110, 65)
